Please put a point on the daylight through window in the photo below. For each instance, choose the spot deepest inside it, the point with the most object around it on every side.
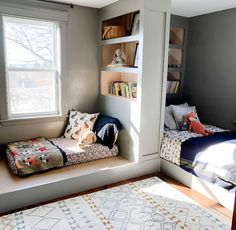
(32, 67)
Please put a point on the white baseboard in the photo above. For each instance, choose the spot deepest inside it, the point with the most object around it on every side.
(16, 199)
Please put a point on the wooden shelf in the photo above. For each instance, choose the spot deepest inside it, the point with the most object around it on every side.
(121, 69)
(173, 80)
(134, 38)
(120, 97)
(175, 46)
(173, 95)
(175, 69)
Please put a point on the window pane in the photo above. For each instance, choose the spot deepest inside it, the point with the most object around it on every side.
(31, 92)
(29, 43)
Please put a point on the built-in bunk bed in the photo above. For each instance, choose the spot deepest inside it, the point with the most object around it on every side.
(87, 137)
(205, 163)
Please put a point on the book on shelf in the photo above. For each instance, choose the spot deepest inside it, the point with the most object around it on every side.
(172, 86)
(123, 89)
(133, 89)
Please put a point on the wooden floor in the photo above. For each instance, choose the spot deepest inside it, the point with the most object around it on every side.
(202, 200)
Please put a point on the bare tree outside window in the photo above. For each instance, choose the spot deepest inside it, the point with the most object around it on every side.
(31, 51)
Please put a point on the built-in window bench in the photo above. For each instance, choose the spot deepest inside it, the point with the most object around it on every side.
(17, 192)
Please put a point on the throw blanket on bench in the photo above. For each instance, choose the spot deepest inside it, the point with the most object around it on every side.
(36, 155)
(212, 158)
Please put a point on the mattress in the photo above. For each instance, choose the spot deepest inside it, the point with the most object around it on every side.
(172, 140)
(73, 153)
(76, 155)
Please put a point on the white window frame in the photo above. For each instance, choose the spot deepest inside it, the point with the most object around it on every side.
(34, 13)
(55, 68)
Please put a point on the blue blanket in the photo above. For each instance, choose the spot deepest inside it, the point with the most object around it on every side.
(212, 158)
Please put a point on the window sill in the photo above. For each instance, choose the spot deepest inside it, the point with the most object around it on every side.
(33, 120)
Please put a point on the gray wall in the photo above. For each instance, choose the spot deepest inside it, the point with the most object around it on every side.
(82, 84)
(210, 81)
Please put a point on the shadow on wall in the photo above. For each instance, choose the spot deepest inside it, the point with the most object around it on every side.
(210, 81)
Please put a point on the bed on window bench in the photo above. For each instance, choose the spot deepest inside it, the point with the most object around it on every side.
(41, 154)
(204, 163)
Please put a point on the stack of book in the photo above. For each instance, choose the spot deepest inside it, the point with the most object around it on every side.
(172, 87)
(123, 89)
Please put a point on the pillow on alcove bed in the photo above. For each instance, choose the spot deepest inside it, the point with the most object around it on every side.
(179, 112)
(107, 129)
(170, 121)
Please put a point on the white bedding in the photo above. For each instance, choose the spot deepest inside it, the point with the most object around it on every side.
(224, 168)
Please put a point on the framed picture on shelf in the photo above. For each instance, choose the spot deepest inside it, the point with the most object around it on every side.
(135, 24)
(136, 56)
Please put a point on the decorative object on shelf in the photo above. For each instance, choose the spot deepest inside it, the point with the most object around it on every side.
(136, 56)
(119, 59)
(172, 86)
(136, 24)
(177, 35)
(113, 32)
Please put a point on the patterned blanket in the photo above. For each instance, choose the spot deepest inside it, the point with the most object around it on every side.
(35, 155)
(173, 139)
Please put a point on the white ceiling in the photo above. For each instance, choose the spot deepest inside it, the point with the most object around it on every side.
(186, 8)
(90, 3)
(191, 8)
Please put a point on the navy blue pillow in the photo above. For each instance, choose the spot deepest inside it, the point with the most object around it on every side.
(106, 128)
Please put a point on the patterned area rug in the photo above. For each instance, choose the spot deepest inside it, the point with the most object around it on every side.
(143, 205)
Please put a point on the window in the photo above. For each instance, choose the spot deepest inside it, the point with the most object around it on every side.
(32, 67)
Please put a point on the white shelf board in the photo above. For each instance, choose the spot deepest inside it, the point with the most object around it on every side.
(175, 70)
(120, 97)
(120, 69)
(174, 46)
(132, 38)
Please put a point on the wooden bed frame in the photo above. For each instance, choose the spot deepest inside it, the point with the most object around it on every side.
(214, 192)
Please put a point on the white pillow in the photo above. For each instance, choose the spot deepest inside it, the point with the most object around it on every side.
(169, 118)
(179, 113)
(79, 123)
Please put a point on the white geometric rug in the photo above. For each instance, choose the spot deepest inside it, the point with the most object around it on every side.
(143, 205)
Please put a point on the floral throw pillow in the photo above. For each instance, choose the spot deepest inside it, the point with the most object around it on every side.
(79, 123)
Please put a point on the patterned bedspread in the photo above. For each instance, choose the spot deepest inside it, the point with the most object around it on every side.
(172, 140)
(76, 155)
(69, 148)
(34, 155)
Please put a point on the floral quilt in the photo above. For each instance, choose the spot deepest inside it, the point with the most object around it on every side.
(34, 155)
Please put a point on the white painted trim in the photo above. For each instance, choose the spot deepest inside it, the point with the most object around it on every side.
(33, 120)
(209, 190)
(54, 68)
(3, 93)
(23, 10)
(82, 181)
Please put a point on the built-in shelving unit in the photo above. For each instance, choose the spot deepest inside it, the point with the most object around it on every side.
(120, 80)
(138, 29)
(134, 38)
(176, 57)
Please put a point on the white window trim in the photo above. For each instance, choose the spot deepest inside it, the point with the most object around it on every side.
(37, 13)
